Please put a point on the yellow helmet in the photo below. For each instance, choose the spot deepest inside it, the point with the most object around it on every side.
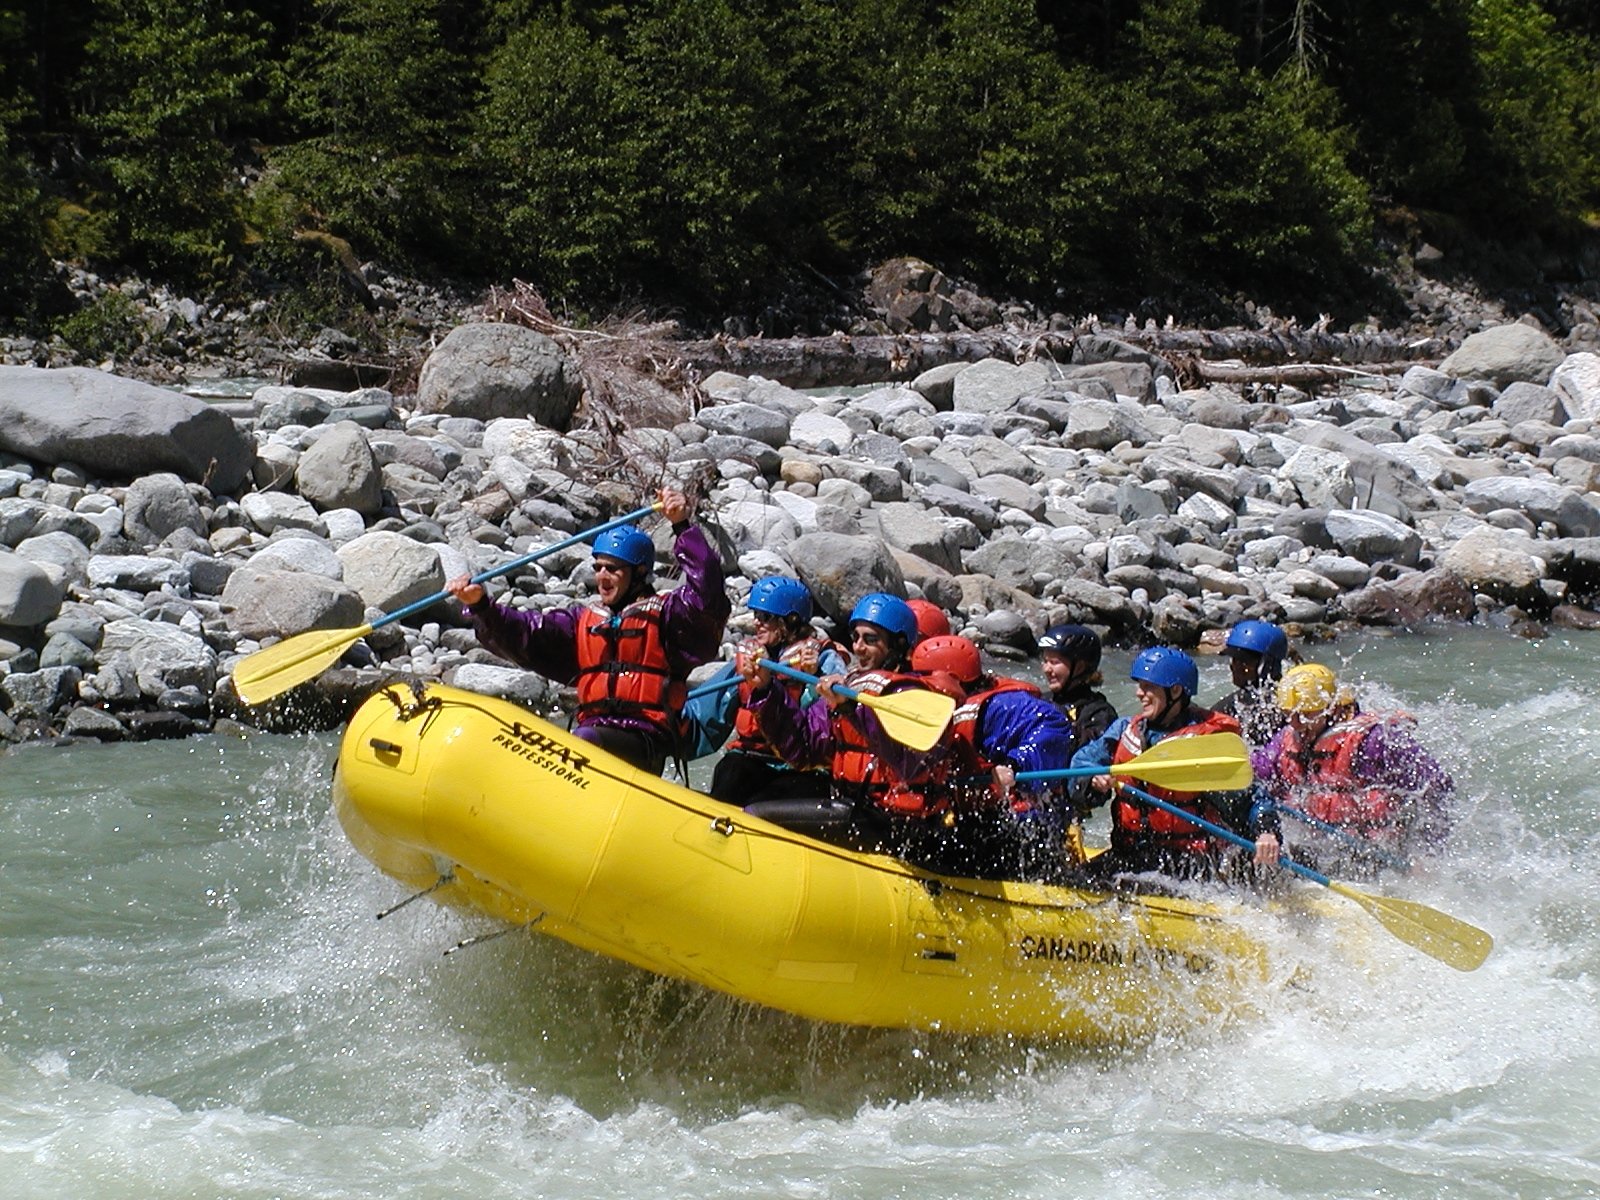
(1310, 688)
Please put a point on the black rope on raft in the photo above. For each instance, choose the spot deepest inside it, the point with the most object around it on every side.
(489, 937)
(447, 878)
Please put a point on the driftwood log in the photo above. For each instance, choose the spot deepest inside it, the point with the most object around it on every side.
(845, 361)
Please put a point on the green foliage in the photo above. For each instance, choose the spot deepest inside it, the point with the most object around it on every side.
(21, 263)
(555, 138)
(705, 101)
(171, 80)
(709, 151)
(110, 326)
(379, 93)
(1542, 101)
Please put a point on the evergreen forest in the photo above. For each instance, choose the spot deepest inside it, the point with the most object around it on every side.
(711, 154)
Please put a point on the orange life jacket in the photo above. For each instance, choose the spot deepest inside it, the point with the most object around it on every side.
(1323, 778)
(747, 735)
(1135, 823)
(623, 668)
(857, 771)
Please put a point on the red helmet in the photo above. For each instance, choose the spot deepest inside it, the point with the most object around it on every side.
(956, 655)
(931, 621)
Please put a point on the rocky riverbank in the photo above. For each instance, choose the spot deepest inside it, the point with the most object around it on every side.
(148, 541)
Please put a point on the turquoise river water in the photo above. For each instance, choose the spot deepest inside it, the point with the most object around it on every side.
(195, 1001)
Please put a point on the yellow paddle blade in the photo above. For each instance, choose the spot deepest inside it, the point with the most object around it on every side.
(1212, 762)
(271, 672)
(1436, 934)
(914, 718)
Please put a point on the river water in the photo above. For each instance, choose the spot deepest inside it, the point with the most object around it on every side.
(197, 1002)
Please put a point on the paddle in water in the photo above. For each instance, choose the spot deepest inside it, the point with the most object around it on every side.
(271, 672)
(1439, 935)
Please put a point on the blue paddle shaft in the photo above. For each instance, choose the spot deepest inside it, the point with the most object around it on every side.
(720, 685)
(1062, 773)
(839, 689)
(1226, 835)
(505, 568)
(715, 686)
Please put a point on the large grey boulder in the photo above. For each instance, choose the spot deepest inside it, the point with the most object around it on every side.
(135, 572)
(339, 470)
(37, 695)
(1374, 536)
(993, 386)
(272, 511)
(156, 505)
(389, 570)
(58, 549)
(1540, 499)
(1497, 563)
(1577, 382)
(488, 370)
(1099, 425)
(163, 656)
(754, 525)
(309, 554)
(840, 568)
(1022, 563)
(261, 603)
(1505, 354)
(1524, 401)
(509, 683)
(119, 428)
(29, 594)
(912, 528)
(769, 425)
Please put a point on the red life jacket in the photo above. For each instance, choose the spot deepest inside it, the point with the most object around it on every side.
(857, 771)
(1324, 782)
(623, 668)
(1135, 823)
(747, 735)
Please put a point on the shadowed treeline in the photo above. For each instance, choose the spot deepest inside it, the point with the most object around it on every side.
(714, 154)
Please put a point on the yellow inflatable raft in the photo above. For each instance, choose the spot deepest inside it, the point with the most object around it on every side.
(505, 813)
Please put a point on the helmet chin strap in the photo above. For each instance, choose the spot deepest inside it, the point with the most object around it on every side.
(1174, 707)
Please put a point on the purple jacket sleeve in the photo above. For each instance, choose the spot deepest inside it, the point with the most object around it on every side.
(545, 642)
(1391, 758)
(696, 611)
(1264, 764)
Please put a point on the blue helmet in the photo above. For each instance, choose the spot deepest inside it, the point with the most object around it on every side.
(1262, 637)
(1166, 667)
(1075, 643)
(629, 544)
(781, 596)
(887, 612)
